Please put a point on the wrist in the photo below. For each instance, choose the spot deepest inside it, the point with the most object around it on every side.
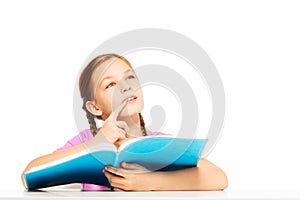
(156, 181)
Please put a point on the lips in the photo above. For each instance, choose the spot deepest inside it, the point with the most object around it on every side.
(130, 99)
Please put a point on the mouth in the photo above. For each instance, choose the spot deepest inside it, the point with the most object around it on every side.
(130, 99)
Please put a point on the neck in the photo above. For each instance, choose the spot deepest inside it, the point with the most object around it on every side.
(133, 123)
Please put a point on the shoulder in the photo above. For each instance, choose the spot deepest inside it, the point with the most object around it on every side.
(80, 138)
(85, 135)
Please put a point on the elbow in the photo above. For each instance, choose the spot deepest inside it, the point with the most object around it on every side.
(215, 180)
(211, 178)
(221, 181)
(24, 182)
(23, 177)
(28, 167)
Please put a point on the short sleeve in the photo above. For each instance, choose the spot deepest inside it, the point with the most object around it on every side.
(82, 137)
(150, 133)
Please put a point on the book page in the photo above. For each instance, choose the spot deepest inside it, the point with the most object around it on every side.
(156, 153)
(132, 140)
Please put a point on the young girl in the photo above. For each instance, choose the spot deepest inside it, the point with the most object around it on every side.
(111, 92)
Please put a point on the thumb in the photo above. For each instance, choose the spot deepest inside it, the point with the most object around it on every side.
(132, 166)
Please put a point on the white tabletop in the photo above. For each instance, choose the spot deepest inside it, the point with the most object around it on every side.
(75, 194)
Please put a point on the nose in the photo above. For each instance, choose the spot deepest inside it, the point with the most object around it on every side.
(124, 86)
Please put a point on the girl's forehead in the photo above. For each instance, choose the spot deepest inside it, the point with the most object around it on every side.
(111, 68)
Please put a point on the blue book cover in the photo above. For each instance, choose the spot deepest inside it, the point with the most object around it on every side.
(153, 153)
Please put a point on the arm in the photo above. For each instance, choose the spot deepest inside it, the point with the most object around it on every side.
(205, 176)
(51, 157)
(100, 138)
(111, 132)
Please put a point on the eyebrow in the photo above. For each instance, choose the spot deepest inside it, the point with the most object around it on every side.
(109, 77)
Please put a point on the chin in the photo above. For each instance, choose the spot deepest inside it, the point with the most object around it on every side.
(131, 110)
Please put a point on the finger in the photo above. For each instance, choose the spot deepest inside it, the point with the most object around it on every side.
(123, 125)
(120, 133)
(107, 174)
(116, 171)
(117, 110)
(132, 166)
(114, 180)
(119, 186)
(118, 137)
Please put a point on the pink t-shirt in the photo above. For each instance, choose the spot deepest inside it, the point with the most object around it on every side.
(86, 135)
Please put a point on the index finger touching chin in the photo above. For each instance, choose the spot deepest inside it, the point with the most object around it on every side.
(115, 113)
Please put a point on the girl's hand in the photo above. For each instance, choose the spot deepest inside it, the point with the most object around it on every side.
(130, 177)
(115, 131)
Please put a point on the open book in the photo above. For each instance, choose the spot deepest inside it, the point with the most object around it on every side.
(154, 153)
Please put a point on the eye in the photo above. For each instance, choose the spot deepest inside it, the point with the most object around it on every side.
(110, 85)
(131, 77)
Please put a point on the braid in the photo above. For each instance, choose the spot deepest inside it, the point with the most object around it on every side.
(93, 126)
(142, 123)
(91, 120)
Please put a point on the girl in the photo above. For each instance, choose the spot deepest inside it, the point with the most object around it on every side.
(111, 92)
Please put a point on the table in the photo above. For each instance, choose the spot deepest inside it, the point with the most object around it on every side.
(75, 194)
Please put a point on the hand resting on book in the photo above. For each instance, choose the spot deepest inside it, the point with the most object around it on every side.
(129, 176)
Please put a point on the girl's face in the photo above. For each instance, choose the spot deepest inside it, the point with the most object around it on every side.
(114, 82)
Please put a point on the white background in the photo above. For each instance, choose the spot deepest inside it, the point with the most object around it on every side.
(255, 46)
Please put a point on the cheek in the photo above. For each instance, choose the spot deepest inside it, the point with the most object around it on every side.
(107, 107)
(136, 84)
(140, 104)
(103, 100)
(140, 94)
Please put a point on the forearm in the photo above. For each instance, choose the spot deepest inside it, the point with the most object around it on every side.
(98, 140)
(205, 176)
(61, 154)
(51, 157)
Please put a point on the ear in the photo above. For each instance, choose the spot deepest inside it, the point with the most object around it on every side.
(92, 108)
